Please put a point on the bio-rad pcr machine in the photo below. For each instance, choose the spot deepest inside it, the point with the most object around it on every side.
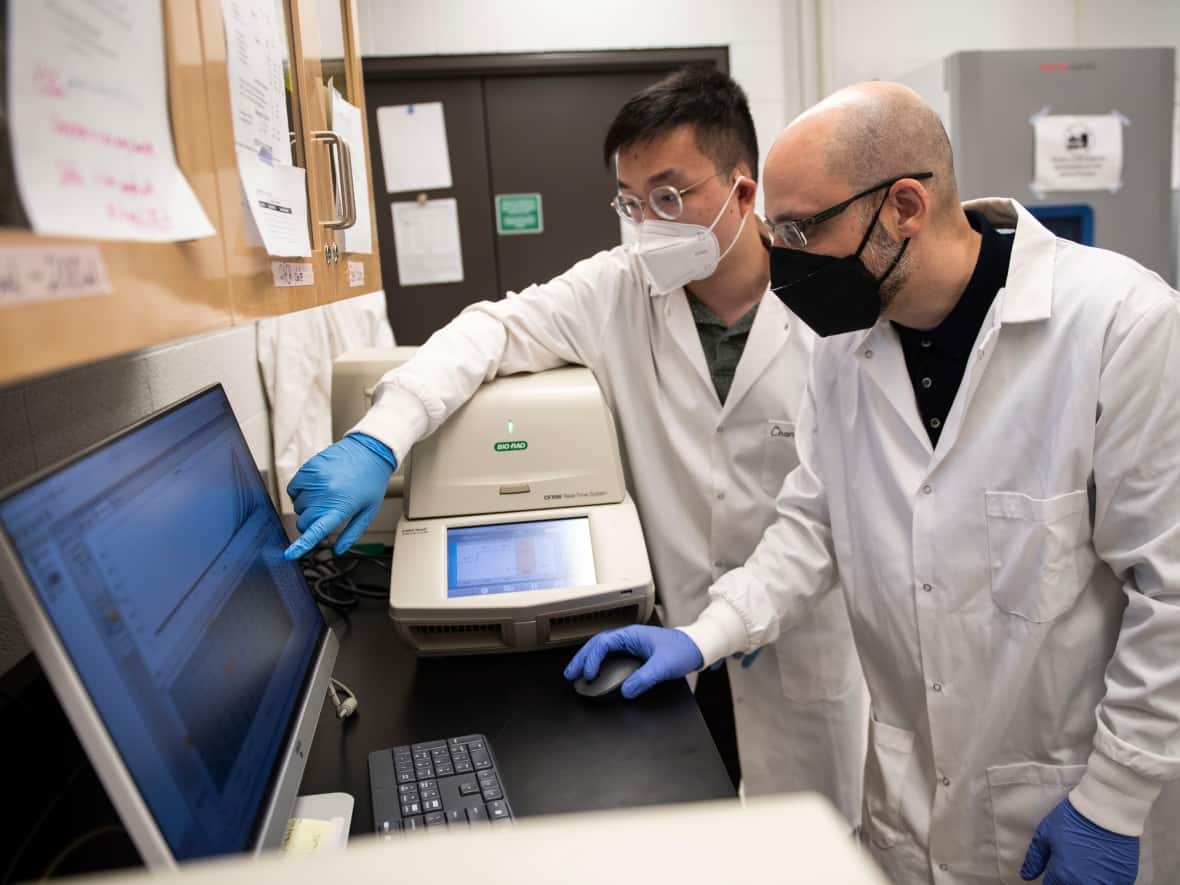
(518, 532)
(187, 654)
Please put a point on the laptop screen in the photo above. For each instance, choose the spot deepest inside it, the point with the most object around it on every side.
(158, 558)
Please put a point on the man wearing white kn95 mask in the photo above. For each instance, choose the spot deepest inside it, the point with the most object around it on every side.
(704, 369)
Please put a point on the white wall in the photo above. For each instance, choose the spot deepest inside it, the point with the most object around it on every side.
(51, 418)
(786, 54)
(756, 32)
(886, 39)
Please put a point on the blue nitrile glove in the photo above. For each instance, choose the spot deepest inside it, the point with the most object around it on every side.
(347, 480)
(1071, 849)
(747, 658)
(669, 654)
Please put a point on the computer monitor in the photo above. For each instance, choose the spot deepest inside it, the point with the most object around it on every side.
(189, 656)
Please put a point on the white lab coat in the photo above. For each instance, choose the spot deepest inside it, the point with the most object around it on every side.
(1008, 585)
(704, 477)
(295, 354)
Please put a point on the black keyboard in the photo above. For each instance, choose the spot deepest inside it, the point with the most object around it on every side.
(437, 784)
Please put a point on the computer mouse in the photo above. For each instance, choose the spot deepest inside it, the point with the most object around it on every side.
(613, 673)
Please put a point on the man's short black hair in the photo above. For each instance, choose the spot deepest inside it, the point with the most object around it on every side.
(698, 96)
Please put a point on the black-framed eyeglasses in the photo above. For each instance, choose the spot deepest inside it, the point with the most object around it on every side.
(792, 233)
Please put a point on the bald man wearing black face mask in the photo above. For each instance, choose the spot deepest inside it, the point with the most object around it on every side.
(989, 455)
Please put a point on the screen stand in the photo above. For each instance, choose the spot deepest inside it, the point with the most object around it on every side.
(332, 807)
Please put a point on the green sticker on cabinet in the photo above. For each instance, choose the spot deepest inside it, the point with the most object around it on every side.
(519, 214)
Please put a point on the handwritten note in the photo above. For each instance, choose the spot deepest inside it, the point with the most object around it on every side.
(306, 836)
(41, 273)
(255, 39)
(356, 274)
(292, 273)
(91, 141)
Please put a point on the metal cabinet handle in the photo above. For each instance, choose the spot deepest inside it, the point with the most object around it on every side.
(346, 184)
(341, 179)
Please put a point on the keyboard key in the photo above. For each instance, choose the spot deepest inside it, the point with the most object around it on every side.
(486, 776)
(410, 824)
(456, 816)
(491, 793)
(497, 810)
(409, 808)
(429, 745)
(476, 745)
(430, 794)
(476, 814)
(405, 777)
(437, 819)
(428, 785)
(466, 739)
(390, 826)
(444, 770)
(421, 755)
(463, 767)
(481, 760)
(468, 788)
(432, 805)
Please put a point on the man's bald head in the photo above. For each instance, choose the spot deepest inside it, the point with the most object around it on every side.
(872, 132)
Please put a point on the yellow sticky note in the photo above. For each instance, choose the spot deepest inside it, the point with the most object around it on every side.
(307, 836)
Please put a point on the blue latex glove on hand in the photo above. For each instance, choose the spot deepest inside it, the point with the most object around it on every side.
(669, 654)
(747, 658)
(347, 480)
(1071, 849)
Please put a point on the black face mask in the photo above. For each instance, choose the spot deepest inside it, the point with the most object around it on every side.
(832, 295)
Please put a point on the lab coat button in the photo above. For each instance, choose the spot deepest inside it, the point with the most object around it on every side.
(721, 496)
(927, 587)
(937, 686)
(943, 867)
(946, 781)
(927, 489)
(935, 423)
(868, 354)
(927, 383)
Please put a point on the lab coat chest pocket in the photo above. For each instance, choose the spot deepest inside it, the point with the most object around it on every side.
(1021, 795)
(886, 767)
(778, 454)
(1033, 545)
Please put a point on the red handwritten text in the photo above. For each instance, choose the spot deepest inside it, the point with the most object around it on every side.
(83, 132)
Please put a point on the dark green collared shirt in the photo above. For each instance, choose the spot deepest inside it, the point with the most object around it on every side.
(723, 347)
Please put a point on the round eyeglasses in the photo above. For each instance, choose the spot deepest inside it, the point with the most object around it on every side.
(666, 201)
